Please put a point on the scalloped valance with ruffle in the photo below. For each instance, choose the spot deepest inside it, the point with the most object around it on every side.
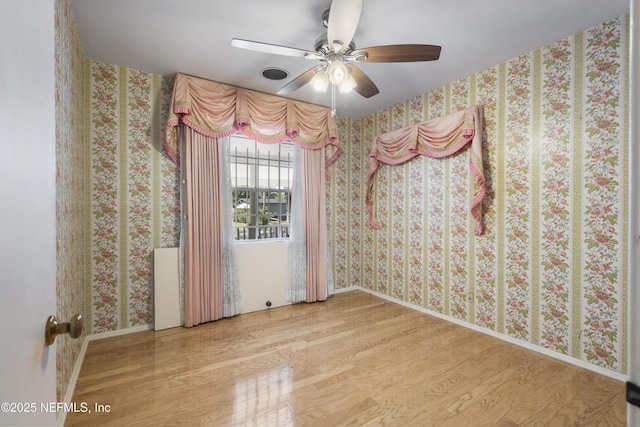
(217, 110)
(439, 137)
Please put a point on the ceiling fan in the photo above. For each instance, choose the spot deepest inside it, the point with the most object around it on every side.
(337, 52)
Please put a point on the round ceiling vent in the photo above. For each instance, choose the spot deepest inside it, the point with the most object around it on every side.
(274, 73)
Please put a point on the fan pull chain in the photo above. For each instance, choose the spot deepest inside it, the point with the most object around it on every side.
(333, 100)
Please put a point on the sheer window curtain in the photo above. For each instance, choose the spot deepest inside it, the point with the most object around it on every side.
(209, 279)
(296, 252)
(309, 275)
(232, 299)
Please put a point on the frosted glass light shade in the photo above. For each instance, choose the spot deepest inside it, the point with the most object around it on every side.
(320, 81)
(337, 72)
(347, 84)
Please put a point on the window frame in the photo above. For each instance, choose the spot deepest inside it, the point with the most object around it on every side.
(258, 207)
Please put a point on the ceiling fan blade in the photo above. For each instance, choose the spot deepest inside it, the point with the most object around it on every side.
(299, 81)
(344, 16)
(364, 85)
(400, 53)
(272, 48)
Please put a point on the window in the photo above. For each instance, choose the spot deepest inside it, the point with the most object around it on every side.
(261, 177)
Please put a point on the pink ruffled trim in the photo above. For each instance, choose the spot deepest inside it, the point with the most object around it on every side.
(372, 171)
(170, 152)
(335, 155)
(477, 214)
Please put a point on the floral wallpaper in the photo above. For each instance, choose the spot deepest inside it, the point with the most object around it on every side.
(134, 193)
(72, 192)
(551, 267)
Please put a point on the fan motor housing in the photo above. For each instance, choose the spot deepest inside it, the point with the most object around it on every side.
(322, 45)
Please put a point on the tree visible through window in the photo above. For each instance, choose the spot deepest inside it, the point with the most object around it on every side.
(261, 177)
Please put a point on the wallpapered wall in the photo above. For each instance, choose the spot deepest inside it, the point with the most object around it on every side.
(72, 190)
(134, 204)
(551, 267)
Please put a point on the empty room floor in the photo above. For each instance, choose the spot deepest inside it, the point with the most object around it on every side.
(354, 360)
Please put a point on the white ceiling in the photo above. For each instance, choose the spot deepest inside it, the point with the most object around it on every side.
(194, 37)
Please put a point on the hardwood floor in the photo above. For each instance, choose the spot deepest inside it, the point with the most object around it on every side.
(354, 360)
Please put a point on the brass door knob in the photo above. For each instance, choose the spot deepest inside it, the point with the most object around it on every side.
(52, 329)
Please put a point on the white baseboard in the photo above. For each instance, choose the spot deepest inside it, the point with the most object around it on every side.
(115, 333)
(511, 340)
(62, 415)
(350, 288)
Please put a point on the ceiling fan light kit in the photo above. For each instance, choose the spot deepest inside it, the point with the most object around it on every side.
(337, 52)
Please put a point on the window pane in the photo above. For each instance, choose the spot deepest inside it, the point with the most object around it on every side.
(261, 177)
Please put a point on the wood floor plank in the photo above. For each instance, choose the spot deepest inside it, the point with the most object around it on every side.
(354, 360)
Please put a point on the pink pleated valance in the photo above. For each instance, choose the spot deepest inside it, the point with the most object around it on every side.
(440, 137)
(217, 110)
